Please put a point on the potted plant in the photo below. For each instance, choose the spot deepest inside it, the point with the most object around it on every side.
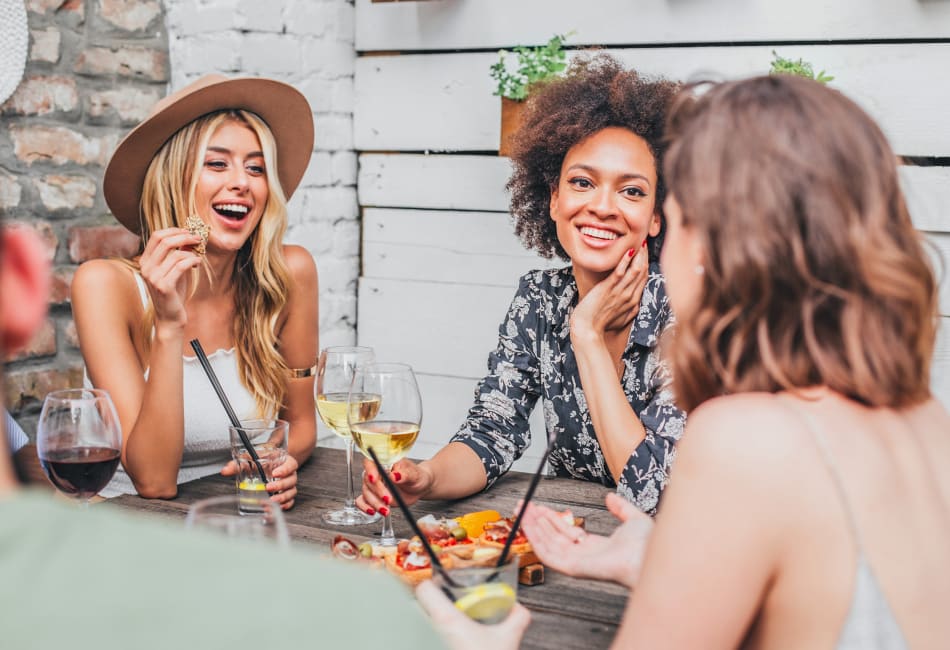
(802, 68)
(534, 65)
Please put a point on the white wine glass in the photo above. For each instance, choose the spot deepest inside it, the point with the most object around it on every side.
(78, 440)
(334, 375)
(392, 429)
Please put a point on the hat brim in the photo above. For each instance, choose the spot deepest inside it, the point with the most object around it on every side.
(282, 107)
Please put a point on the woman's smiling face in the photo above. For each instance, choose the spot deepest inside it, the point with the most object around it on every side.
(232, 186)
(605, 200)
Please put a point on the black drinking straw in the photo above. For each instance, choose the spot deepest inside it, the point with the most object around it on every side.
(203, 359)
(408, 515)
(524, 506)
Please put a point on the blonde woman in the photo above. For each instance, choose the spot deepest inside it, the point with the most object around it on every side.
(204, 181)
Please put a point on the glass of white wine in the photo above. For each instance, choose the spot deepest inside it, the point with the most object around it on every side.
(334, 376)
(392, 429)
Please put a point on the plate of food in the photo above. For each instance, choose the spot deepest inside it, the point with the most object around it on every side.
(473, 539)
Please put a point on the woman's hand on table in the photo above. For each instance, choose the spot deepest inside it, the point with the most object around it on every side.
(576, 553)
(283, 484)
(614, 301)
(412, 480)
(462, 633)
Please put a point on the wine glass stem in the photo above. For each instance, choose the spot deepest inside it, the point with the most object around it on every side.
(387, 538)
(84, 504)
(350, 503)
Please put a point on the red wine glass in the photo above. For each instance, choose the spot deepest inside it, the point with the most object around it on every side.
(78, 440)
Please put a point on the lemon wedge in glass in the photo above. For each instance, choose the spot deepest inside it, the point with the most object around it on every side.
(487, 603)
(252, 485)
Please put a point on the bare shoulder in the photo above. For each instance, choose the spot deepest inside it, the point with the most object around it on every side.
(300, 263)
(748, 433)
(743, 454)
(106, 304)
(102, 278)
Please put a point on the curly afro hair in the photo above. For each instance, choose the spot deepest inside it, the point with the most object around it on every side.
(596, 93)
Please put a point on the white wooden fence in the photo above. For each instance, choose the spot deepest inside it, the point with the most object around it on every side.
(440, 261)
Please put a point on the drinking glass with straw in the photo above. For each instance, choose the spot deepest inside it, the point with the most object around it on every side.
(235, 422)
(391, 430)
(433, 558)
(484, 593)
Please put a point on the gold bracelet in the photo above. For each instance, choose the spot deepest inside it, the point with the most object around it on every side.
(300, 373)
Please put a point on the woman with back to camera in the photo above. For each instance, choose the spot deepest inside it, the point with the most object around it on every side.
(204, 181)
(815, 468)
(586, 187)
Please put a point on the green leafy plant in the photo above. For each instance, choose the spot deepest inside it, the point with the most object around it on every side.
(802, 68)
(534, 65)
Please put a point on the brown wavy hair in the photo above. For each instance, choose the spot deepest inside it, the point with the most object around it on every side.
(596, 93)
(814, 273)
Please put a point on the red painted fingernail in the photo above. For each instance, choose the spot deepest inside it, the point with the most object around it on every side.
(371, 511)
(631, 252)
(643, 244)
(397, 476)
(387, 499)
(384, 511)
(370, 478)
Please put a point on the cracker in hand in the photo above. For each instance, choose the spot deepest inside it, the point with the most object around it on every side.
(196, 226)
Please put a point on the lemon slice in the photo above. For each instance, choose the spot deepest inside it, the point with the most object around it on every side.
(488, 603)
(252, 485)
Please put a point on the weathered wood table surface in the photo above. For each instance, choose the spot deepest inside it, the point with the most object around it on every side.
(565, 613)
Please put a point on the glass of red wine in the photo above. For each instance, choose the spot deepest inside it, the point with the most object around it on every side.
(78, 439)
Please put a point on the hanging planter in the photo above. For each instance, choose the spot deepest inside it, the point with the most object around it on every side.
(535, 65)
(511, 116)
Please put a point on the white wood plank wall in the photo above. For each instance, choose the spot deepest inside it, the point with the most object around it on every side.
(440, 261)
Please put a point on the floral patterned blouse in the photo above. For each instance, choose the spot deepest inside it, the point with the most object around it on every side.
(535, 359)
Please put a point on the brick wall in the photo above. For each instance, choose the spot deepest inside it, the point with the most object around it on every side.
(95, 69)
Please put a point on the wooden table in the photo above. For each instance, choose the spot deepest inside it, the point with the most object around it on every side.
(565, 613)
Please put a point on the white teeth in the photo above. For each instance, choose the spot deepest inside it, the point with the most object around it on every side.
(598, 233)
(232, 207)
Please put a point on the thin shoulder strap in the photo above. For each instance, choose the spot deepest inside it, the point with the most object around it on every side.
(828, 459)
(143, 292)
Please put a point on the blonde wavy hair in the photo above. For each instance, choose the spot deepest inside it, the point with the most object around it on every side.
(261, 276)
(814, 273)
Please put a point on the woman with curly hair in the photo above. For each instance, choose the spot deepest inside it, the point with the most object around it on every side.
(583, 339)
(204, 182)
(816, 463)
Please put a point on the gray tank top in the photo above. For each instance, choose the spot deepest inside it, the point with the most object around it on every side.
(870, 624)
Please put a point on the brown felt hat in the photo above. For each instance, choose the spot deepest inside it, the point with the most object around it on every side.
(281, 106)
